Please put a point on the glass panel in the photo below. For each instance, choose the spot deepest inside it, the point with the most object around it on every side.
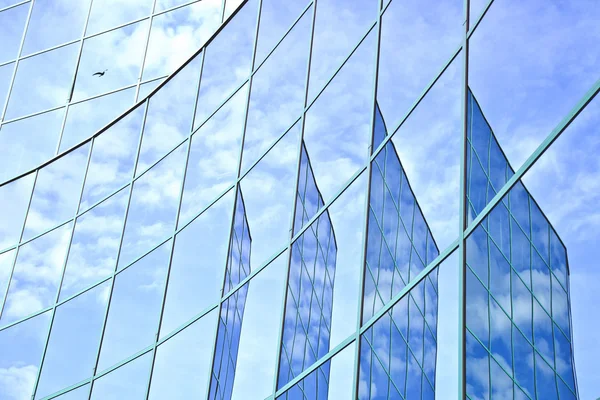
(47, 16)
(127, 382)
(169, 116)
(231, 6)
(268, 191)
(6, 72)
(12, 22)
(275, 18)
(227, 61)
(478, 369)
(195, 282)
(57, 190)
(29, 142)
(349, 19)
(153, 207)
(7, 260)
(432, 166)
(110, 61)
(271, 112)
(14, 201)
(329, 381)
(182, 364)
(95, 245)
(531, 61)
(213, 162)
(178, 34)
(259, 336)
(74, 340)
(102, 15)
(135, 306)
(85, 119)
(37, 274)
(407, 28)
(342, 114)
(21, 347)
(113, 158)
(146, 88)
(53, 72)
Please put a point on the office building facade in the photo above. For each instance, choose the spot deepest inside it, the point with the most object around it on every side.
(257, 199)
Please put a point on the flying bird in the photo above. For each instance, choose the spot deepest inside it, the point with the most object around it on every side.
(100, 73)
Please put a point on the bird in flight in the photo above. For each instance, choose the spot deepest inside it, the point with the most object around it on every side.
(100, 73)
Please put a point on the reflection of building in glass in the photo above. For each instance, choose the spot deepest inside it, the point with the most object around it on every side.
(518, 314)
(398, 352)
(308, 311)
(232, 309)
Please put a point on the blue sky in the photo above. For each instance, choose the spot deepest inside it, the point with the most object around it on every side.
(530, 62)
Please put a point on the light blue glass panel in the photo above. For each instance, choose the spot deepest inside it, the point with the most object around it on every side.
(53, 72)
(95, 244)
(146, 88)
(135, 307)
(37, 274)
(29, 142)
(408, 27)
(129, 381)
(275, 18)
(278, 91)
(228, 60)
(169, 116)
(54, 23)
(113, 157)
(56, 193)
(182, 364)
(198, 265)
(74, 339)
(102, 15)
(14, 201)
(259, 336)
(214, 157)
(478, 369)
(178, 34)
(349, 19)
(21, 347)
(342, 114)
(6, 72)
(85, 119)
(153, 207)
(7, 260)
(117, 55)
(12, 22)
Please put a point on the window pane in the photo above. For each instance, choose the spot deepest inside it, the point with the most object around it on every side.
(95, 244)
(29, 142)
(42, 82)
(182, 364)
(198, 265)
(57, 190)
(153, 207)
(146, 88)
(85, 119)
(128, 382)
(113, 157)
(74, 340)
(134, 310)
(105, 54)
(12, 22)
(102, 15)
(14, 201)
(6, 72)
(37, 274)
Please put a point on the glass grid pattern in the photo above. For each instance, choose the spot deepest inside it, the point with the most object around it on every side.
(518, 321)
(481, 196)
(308, 310)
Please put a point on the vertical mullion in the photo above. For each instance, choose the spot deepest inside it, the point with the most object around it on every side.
(363, 267)
(462, 385)
(12, 80)
(81, 41)
(139, 81)
(294, 208)
(131, 183)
